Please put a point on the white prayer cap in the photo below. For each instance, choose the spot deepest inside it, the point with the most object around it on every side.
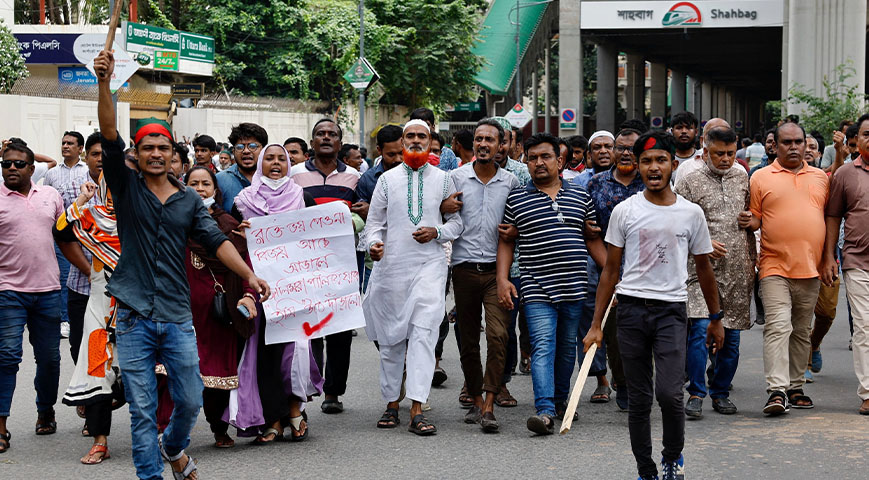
(416, 122)
(601, 133)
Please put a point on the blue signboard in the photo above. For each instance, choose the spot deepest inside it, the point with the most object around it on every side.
(55, 48)
(78, 76)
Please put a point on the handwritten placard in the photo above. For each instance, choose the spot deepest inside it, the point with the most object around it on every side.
(308, 258)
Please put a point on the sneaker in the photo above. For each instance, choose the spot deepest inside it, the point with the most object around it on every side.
(64, 330)
(694, 407)
(809, 377)
(674, 470)
(817, 361)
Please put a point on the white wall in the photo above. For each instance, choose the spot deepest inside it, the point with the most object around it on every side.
(41, 121)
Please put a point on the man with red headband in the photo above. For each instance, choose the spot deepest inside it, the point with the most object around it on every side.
(156, 215)
(655, 231)
(403, 305)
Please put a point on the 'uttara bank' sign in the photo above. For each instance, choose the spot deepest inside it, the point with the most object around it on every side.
(596, 15)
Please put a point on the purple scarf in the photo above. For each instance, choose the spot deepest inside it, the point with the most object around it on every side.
(259, 199)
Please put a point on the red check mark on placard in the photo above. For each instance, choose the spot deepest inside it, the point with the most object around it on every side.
(309, 330)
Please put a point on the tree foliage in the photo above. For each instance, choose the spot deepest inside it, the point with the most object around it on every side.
(840, 100)
(12, 66)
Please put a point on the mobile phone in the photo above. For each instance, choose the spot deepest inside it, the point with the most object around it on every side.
(244, 311)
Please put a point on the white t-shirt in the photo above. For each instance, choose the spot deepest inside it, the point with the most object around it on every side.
(688, 165)
(656, 242)
(39, 171)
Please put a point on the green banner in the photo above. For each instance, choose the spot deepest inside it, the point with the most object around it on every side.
(151, 36)
(197, 47)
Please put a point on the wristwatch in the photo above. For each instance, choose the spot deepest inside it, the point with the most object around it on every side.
(717, 316)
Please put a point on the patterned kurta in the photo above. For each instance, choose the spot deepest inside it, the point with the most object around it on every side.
(722, 198)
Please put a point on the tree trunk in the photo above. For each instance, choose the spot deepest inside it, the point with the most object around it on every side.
(52, 13)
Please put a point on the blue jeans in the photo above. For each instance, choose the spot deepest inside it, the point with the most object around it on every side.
(724, 365)
(141, 344)
(598, 364)
(40, 312)
(63, 264)
(552, 328)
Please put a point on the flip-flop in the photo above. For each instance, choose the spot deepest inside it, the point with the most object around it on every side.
(601, 394)
(260, 440)
(97, 448)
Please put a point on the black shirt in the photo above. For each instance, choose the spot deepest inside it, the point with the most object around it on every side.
(151, 277)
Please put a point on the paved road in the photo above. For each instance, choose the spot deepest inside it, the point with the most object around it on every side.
(827, 442)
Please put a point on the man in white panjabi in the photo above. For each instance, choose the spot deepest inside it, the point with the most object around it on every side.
(404, 304)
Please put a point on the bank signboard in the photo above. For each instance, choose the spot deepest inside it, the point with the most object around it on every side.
(601, 15)
(169, 50)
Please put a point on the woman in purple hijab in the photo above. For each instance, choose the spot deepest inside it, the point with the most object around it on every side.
(274, 380)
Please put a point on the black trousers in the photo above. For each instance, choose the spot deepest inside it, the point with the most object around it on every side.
(653, 330)
(337, 364)
(98, 415)
(214, 403)
(76, 305)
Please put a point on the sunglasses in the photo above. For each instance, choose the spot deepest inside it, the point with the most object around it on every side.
(560, 217)
(252, 146)
(19, 164)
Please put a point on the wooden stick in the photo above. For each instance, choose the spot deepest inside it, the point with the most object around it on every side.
(113, 24)
(580, 380)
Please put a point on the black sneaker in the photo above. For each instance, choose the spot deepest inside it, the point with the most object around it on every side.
(674, 470)
(694, 407)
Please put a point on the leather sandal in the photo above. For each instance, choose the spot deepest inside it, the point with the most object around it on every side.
(5, 438)
(96, 449)
(45, 423)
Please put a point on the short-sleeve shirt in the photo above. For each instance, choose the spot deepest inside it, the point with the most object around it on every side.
(607, 192)
(151, 277)
(27, 261)
(552, 251)
(849, 198)
(231, 182)
(791, 209)
(657, 240)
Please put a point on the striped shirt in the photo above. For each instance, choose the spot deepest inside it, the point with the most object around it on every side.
(77, 281)
(340, 185)
(552, 252)
(59, 176)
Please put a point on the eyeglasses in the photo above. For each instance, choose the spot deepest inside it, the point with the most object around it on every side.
(252, 146)
(560, 217)
(623, 148)
(19, 164)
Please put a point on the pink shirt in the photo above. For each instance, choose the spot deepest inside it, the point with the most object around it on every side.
(27, 261)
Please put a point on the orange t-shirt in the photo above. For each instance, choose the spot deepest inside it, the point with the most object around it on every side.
(791, 208)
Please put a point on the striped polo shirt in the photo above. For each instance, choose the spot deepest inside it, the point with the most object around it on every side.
(340, 185)
(552, 252)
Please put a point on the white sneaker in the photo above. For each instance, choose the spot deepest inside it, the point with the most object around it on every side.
(64, 329)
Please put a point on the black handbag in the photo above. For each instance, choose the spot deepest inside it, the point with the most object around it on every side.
(219, 310)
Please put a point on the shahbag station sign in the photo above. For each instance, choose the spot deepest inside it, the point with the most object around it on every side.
(598, 15)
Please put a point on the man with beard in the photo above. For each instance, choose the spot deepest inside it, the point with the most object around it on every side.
(685, 129)
(484, 186)
(554, 237)
(650, 237)
(770, 155)
(607, 189)
(246, 139)
(328, 179)
(787, 203)
(600, 152)
(722, 192)
(404, 305)
(156, 218)
(697, 161)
